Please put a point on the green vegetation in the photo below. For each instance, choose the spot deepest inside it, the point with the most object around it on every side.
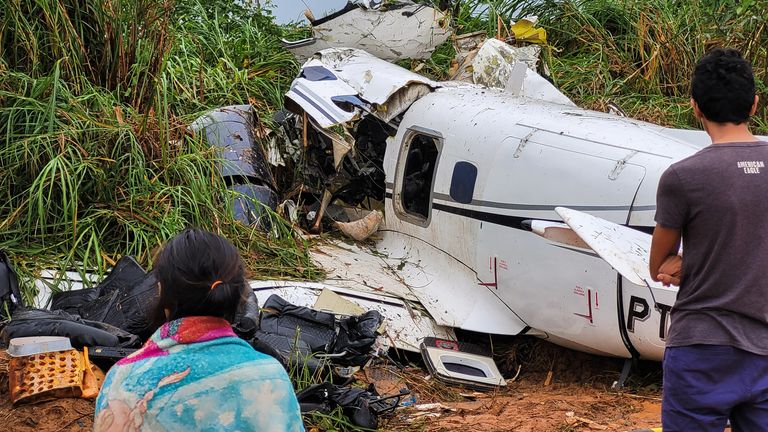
(95, 158)
(638, 54)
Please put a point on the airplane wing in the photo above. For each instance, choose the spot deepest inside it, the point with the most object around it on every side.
(625, 249)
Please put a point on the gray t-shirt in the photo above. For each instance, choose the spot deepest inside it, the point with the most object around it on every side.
(719, 199)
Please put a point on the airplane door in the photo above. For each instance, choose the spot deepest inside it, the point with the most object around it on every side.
(567, 293)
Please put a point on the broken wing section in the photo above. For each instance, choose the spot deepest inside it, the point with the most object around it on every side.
(396, 31)
(338, 84)
(646, 304)
(625, 249)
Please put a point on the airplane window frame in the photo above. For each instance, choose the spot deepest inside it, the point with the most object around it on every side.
(397, 201)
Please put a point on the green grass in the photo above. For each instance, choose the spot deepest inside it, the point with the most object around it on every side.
(96, 160)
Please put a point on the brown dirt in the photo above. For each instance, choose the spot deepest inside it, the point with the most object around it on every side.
(577, 398)
(528, 406)
(61, 415)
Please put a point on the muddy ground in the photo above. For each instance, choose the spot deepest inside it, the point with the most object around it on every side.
(556, 390)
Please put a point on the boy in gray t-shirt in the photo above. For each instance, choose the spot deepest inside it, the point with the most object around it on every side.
(716, 360)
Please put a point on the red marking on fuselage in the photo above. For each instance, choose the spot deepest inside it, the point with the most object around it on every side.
(495, 283)
(589, 305)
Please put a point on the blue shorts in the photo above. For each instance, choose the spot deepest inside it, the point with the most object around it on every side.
(705, 385)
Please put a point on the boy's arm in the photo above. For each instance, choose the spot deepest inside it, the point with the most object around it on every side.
(671, 213)
(665, 263)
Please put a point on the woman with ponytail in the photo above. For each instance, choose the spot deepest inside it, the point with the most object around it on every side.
(194, 373)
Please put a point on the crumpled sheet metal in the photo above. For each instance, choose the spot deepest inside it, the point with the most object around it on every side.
(382, 88)
(409, 32)
(466, 46)
(495, 66)
(493, 63)
(316, 97)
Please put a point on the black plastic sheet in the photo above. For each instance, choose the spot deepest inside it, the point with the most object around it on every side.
(247, 317)
(356, 337)
(315, 328)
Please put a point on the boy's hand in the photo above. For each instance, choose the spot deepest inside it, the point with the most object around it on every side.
(671, 270)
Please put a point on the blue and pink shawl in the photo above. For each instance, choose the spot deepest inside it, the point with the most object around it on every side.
(194, 374)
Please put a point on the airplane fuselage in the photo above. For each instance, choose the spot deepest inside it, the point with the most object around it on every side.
(469, 165)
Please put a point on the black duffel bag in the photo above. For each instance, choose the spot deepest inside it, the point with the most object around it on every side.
(81, 332)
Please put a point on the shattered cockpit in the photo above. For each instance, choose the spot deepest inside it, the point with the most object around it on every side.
(341, 112)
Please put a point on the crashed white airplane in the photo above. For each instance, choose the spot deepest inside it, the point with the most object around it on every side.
(508, 212)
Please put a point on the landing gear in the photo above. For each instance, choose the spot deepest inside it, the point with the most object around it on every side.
(625, 370)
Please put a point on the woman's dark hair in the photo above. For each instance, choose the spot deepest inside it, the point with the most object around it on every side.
(200, 274)
(723, 86)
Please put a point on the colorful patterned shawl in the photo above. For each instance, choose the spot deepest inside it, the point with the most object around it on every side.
(194, 374)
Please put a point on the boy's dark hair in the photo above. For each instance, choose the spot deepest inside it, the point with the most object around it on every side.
(189, 268)
(723, 86)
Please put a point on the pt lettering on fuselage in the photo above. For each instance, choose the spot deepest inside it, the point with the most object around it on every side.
(639, 310)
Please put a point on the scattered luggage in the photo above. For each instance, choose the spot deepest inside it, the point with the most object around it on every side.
(362, 407)
(297, 331)
(81, 332)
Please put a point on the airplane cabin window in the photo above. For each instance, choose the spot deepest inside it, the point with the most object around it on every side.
(416, 195)
(463, 182)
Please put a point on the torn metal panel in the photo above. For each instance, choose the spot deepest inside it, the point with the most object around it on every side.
(558, 233)
(467, 47)
(443, 284)
(495, 66)
(232, 129)
(362, 269)
(395, 31)
(342, 144)
(405, 325)
(375, 80)
(357, 76)
(324, 99)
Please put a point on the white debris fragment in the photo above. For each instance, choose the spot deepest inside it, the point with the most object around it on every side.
(408, 31)
(363, 228)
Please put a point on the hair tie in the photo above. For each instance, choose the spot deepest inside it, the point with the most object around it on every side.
(215, 284)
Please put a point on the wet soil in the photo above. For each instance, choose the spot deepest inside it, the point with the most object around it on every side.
(556, 390)
(60, 415)
(529, 406)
